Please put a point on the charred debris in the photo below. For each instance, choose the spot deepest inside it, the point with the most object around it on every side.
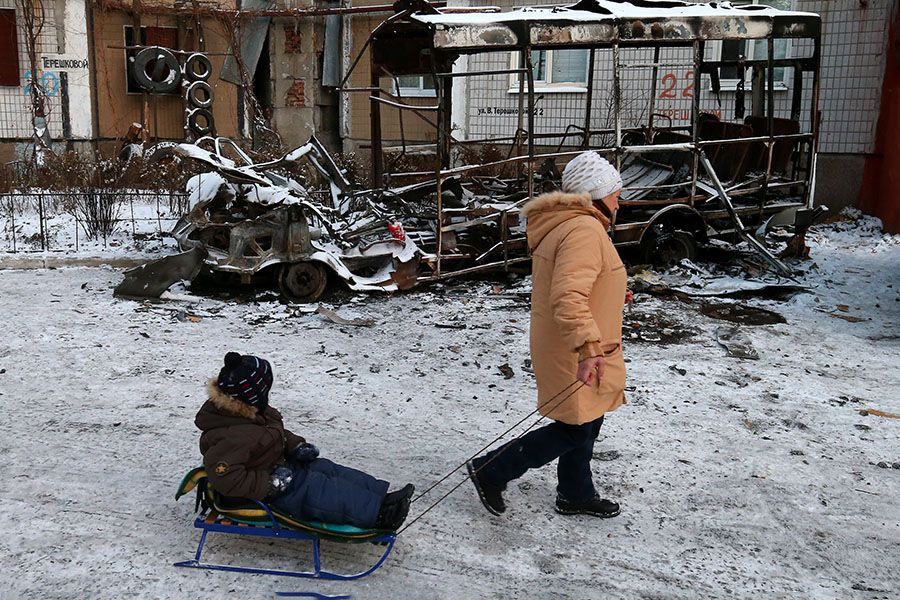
(722, 173)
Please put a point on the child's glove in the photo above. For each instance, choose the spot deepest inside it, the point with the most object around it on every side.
(279, 480)
(305, 453)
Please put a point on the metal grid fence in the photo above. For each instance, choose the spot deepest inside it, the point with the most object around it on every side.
(49, 221)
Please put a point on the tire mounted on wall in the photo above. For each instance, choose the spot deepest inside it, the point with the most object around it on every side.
(157, 70)
(200, 122)
(197, 67)
(199, 95)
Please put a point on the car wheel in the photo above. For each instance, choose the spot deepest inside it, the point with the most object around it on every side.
(303, 282)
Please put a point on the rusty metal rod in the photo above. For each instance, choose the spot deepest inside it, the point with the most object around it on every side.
(468, 270)
(655, 65)
(647, 149)
(759, 138)
(529, 77)
(778, 62)
(367, 43)
(653, 86)
(477, 73)
(403, 106)
(699, 52)
(484, 219)
(589, 101)
(719, 190)
(814, 116)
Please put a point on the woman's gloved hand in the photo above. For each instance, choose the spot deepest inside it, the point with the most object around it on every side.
(279, 480)
(305, 453)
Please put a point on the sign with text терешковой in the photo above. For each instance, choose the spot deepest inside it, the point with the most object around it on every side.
(61, 62)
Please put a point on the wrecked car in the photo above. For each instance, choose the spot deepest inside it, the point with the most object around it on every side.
(248, 219)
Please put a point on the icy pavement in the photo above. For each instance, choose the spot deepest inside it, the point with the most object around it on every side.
(737, 478)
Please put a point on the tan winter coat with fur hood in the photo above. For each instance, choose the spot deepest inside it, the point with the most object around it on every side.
(241, 447)
(579, 285)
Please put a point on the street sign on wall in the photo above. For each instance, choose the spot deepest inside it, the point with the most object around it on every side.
(61, 62)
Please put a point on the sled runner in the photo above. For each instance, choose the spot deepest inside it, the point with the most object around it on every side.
(256, 518)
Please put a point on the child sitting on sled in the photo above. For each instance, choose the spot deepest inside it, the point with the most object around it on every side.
(249, 454)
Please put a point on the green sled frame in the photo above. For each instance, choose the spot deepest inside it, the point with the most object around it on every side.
(258, 519)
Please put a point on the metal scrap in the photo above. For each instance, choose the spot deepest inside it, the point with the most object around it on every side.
(736, 344)
(251, 217)
(338, 319)
(741, 313)
(640, 176)
(151, 279)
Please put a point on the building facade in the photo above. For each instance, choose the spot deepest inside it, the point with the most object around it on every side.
(85, 66)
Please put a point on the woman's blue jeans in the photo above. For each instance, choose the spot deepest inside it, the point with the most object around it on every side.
(573, 445)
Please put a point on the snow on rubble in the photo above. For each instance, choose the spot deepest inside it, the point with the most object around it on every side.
(776, 477)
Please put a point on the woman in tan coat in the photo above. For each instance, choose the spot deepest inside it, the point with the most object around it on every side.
(579, 285)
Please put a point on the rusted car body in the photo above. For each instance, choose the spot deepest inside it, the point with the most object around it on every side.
(250, 218)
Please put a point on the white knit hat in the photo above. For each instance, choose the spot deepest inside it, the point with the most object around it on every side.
(590, 173)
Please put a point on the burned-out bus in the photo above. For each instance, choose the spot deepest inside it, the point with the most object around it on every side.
(708, 110)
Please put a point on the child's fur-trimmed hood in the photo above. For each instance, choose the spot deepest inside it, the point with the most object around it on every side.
(227, 403)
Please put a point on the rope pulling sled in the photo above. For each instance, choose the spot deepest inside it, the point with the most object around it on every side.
(218, 514)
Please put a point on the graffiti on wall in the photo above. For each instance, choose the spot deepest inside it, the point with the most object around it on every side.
(676, 93)
(47, 80)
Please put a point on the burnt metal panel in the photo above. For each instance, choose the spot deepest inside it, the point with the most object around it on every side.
(331, 60)
(492, 35)
(591, 22)
(663, 29)
(574, 33)
(252, 37)
(804, 27)
(735, 28)
(403, 50)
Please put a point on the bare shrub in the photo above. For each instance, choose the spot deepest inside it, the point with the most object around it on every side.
(73, 171)
(98, 211)
(356, 168)
(481, 154)
(8, 212)
(397, 163)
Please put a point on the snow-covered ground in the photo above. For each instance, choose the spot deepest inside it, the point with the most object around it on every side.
(739, 478)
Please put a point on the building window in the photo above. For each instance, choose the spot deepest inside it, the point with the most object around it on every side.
(165, 37)
(754, 50)
(539, 64)
(555, 70)
(416, 85)
(9, 48)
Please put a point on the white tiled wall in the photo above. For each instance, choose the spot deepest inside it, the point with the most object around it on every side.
(854, 43)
